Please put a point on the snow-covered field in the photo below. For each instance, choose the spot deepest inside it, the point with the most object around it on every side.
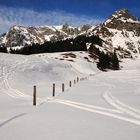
(105, 106)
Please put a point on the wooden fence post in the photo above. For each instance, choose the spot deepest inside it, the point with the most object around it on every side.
(53, 90)
(34, 95)
(77, 79)
(70, 83)
(63, 87)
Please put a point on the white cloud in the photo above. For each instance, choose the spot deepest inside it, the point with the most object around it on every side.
(14, 16)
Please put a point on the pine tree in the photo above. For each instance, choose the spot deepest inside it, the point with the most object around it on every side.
(104, 61)
(115, 61)
(108, 61)
(3, 49)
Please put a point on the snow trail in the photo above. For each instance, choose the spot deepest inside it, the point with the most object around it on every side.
(130, 120)
(90, 106)
(121, 106)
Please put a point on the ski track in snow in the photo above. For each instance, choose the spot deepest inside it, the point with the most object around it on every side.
(14, 93)
(88, 108)
(121, 106)
(11, 119)
(91, 106)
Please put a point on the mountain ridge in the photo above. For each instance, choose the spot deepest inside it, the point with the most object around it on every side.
(121, 32)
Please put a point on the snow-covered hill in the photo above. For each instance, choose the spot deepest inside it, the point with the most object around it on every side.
(22, 72)
(104, 105)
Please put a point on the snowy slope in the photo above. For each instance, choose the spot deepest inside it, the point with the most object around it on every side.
(42, 70)
(103, 106)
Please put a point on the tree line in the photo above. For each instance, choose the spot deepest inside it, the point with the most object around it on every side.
(72, 44)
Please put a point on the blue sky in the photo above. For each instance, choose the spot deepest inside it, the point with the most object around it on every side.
(55, 12)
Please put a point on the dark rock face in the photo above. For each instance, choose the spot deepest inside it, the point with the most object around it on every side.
(86, 27)
(123, 20)
(103, 30)
(70, 30)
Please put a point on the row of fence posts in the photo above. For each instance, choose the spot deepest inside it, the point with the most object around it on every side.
(63, 86)
(53, 92)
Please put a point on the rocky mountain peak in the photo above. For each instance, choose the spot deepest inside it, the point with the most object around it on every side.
(70, 30)
(122, 32)
(122, 19)
(124, 13)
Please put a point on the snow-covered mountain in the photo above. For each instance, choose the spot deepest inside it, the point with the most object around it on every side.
(20, 36)
(122, 32)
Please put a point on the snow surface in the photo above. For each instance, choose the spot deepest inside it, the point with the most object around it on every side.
(48, 37)
(102, 106)
(129, 20)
